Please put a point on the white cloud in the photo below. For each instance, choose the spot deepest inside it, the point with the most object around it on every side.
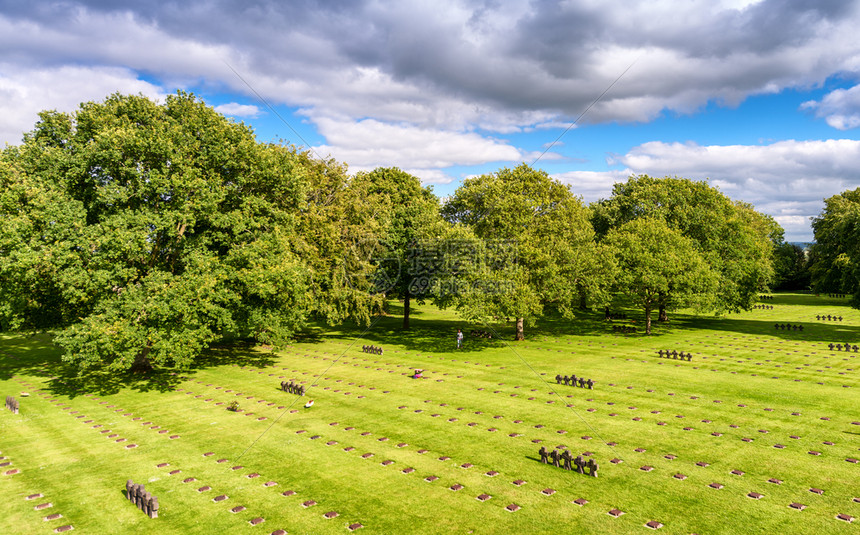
(24, 92)
(234, 109)
(840, 108)
(787, 179)
(370, 142)
(456, 64)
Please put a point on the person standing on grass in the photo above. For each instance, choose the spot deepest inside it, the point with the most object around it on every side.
(459, 338)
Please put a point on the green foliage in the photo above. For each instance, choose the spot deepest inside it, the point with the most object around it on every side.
(791, 267)
(543, 231)
(658, 265)
(146, 231)
(835, 256)
(333, 226)
(734, 239)
(406, 214)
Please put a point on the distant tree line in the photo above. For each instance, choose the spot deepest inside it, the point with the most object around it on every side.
(140, 233)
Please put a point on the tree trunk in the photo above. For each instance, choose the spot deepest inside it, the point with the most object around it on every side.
(519, 335)
(662, 317)
(648, 319)
(606, 315)
(583, 301)
(141, 361)
(406, 311)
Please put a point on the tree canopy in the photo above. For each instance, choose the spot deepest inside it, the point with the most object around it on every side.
(835, 264)
(537, 246)
(734, 239)
(143, 232)
(659, 266)
(405, 212)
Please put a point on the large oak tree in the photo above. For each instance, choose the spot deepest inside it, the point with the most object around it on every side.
(143, 232)
(734, 239)
(656, 262)
(537, 246)
(835, 264)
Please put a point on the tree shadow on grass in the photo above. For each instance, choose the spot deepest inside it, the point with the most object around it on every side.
(37, 356)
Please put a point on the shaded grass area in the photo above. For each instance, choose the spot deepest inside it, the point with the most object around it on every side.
(745, 378)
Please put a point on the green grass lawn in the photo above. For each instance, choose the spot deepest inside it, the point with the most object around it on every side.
(374, 437)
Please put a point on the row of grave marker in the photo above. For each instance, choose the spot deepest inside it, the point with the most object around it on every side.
(839, 347)
(564, 460)
(581, 382)
(764, 307)
(12, 404)
(373, 350)
(828, 317)
(481, 334)
(788, 327)
(144, 500)
(293, 388)
(623, 329)
(675, 355)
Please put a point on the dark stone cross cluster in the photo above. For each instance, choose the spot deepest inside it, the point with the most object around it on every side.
(840, 346)
(763, 307)
(566, 461)
(614, 316)
(675, 355)
(763, 297)
(373, 350)
(293, 388)
(788, 327)
(573, 380)
(828, 317)
(481, 334)
(623, 329)
(836, 295)
(12, 404)
(138, 495)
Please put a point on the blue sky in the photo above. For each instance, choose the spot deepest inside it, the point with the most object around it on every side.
(759, 97)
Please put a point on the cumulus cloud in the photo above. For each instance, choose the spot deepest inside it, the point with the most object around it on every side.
(234, 109)
(502, 66)
(787, 179)
(426, 86)
(840, 108)
(369, 142)
(24, 92)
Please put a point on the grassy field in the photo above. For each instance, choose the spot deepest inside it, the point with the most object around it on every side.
(777, 407)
